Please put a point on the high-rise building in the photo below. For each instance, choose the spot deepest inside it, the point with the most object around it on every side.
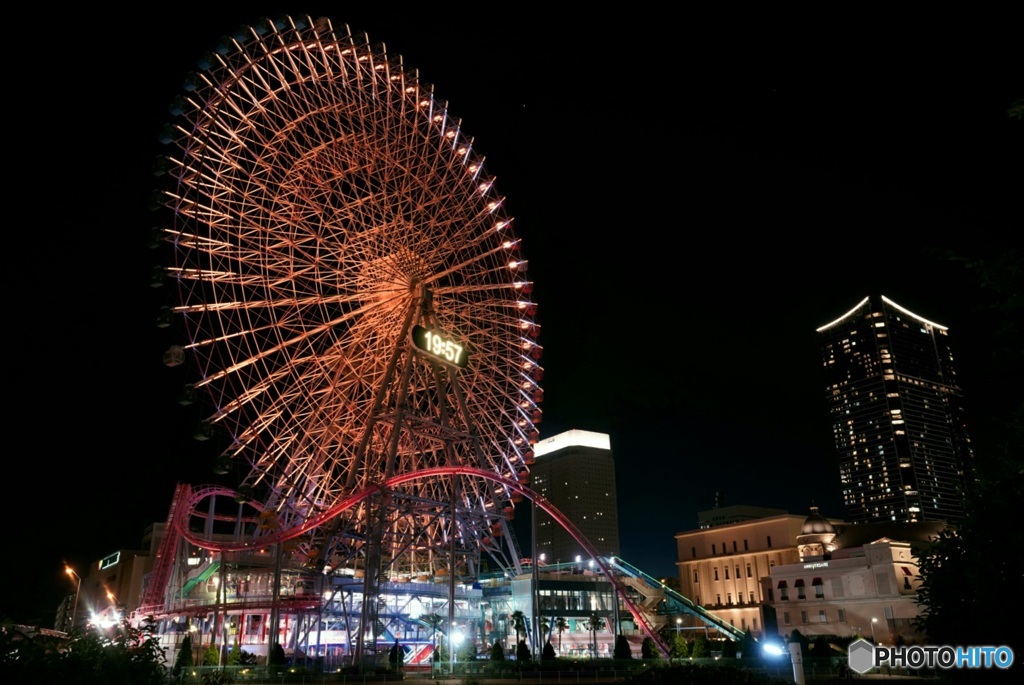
(575, 472)
(897, 414)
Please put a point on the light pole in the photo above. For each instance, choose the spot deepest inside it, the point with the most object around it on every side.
(78, 589)
(679, 626)
(873, 622)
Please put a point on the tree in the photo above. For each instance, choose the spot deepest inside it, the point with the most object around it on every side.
(523, 652)
(211, 656)
(497, 651)
(94, 656)
(561, 625)
(748, 646)
(680, 648)
(518, 624)
(549, 652)
(622, 648)
(234, 657)
(276, 658)
(594, 624)
(820, 647)
(466, 650)
(433, 620)
(965, 572)
(184, 660)
(395, 656)
(699, 648)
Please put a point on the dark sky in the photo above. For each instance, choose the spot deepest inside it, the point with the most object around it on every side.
(707, 193)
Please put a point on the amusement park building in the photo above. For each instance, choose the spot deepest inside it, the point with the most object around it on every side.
(575, 472)
(229, 598)
(897, 414)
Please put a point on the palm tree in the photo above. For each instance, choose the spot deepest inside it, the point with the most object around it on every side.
(433, 620)
(519, 624)
(594, 623)
(561, 625)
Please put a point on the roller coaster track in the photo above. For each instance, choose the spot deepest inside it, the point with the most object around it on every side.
(675, 602)
(186, 500)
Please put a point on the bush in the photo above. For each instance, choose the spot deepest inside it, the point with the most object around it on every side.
(185, 659)
(122, 654)
(701, 674)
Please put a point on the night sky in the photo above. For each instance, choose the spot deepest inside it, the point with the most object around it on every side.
(694, 198)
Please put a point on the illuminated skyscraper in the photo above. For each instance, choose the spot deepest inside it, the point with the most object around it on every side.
(576, 473)
(897, 414)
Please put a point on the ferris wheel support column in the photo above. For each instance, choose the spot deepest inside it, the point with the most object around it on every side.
(451, 577)
(376, 510)
(275, 609)
(536, 579)
(378, 400)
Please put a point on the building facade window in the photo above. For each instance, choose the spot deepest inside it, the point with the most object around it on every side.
(746, 547)
(821, 616)
(785, 618)
(695, 577)
(769, 540)
(803, 617)
(727, 573)
(842, 615)
(748, 570)
(716, 573)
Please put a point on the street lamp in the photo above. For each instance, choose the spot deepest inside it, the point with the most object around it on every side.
(873, 622)
(453, 645)
(679, 626)
(78, 588)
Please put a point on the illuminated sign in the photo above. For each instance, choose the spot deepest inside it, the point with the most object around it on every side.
(439, 346)
(107, 562)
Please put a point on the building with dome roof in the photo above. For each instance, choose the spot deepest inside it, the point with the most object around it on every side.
(849, 580)
(722, 563)
(821, 576)
(817, 536)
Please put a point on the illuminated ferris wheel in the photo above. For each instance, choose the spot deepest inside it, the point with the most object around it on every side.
(354, 301)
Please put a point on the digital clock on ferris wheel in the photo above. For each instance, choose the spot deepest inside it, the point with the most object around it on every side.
(440, 346)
